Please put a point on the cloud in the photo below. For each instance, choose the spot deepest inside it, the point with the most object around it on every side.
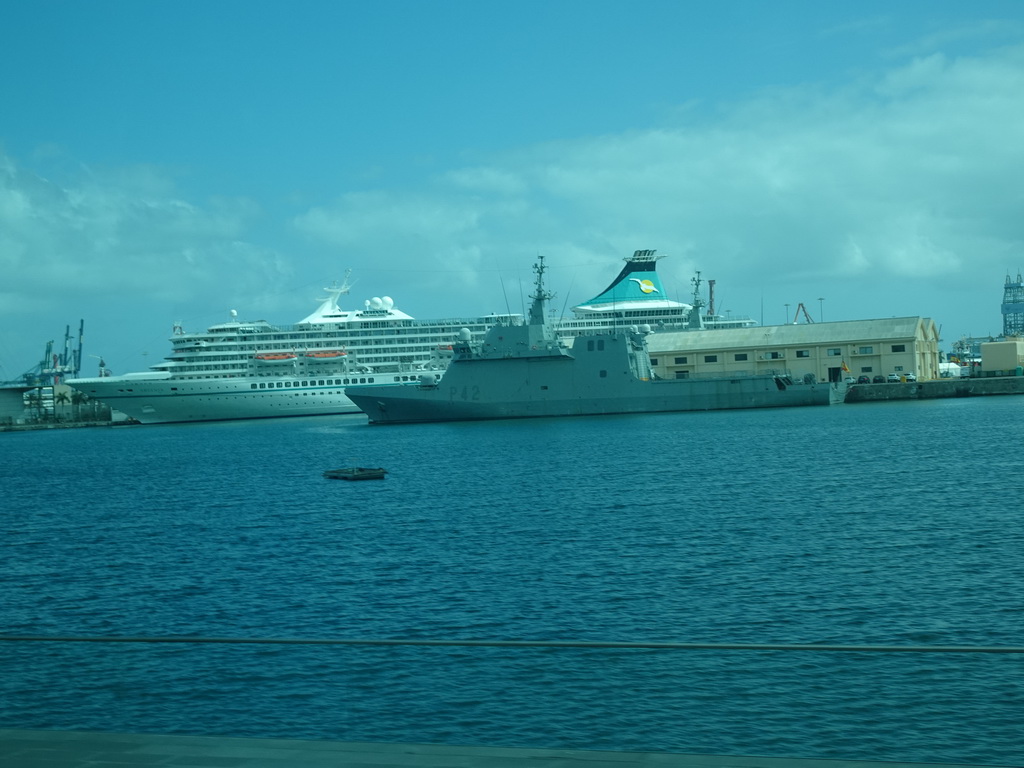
(122, 250)
(123, 232)
(899, 193)
(912, 176)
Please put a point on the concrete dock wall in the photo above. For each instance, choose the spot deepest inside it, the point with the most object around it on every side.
(927, 390)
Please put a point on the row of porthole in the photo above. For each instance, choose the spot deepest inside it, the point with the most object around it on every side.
(314, 383)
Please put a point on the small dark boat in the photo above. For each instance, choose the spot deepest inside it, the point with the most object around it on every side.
(356, 473)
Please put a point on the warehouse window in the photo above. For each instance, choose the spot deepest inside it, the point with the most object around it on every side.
(710, 358)
(899, 347)
(740, 356)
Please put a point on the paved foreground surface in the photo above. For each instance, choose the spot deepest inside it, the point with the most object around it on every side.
(82, 749)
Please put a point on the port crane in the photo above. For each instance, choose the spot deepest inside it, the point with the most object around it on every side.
(807, 315)
(58, 365)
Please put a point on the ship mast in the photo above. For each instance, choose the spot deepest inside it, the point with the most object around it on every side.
(540, 296)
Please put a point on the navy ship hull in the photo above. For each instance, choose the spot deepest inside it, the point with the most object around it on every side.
(526, 370)
(579, 383)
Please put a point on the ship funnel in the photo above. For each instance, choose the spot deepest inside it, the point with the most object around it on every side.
(636, 287)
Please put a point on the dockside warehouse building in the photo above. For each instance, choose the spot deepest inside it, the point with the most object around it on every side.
(830, 351)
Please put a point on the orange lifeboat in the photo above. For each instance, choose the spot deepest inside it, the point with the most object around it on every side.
(326, 354)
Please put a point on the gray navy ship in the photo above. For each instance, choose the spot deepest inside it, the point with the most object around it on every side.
(526, 370)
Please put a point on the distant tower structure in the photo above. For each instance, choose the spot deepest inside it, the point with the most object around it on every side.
(1013, 307)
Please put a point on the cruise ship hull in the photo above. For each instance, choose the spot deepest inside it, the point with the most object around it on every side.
(155, 399)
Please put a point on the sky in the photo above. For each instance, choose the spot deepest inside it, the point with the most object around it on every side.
(165, 162)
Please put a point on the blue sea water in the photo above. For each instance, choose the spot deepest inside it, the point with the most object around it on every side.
(873, 524)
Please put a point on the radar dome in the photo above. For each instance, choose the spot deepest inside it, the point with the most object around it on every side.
(388, 302)
(645, 328)
(376, 303)
(465, 334)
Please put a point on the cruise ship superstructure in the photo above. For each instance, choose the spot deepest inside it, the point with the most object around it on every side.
(637, 297)
(253, 369)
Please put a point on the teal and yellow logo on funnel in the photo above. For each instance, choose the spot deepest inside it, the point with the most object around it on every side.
(645, 285)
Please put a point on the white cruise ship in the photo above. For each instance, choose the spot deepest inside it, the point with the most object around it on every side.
(252, 369)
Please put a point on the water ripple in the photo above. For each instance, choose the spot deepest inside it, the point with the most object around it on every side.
(860, 525)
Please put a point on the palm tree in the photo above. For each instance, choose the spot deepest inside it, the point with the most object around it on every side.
(77, 399)
(60, 398)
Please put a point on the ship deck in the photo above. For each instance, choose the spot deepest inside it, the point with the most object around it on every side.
(81, 749)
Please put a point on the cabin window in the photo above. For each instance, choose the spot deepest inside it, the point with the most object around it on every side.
(254, 385)
(603, 374)
(680, 361)
(803, 353)
(590, 345)
(899, 348)
(710, 358)
(654, 361)
(600, 344)
(740, 356)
